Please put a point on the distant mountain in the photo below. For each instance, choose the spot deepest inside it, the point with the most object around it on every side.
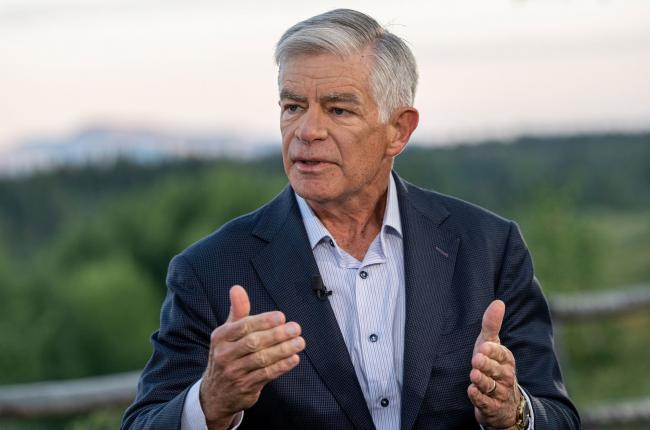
(103, 144)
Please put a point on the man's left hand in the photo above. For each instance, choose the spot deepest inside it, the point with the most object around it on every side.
(493, 391)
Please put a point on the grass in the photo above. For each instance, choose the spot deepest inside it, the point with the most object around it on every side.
(609, 359)
(628, 257)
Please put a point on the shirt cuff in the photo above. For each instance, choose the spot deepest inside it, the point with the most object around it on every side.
(193, 417)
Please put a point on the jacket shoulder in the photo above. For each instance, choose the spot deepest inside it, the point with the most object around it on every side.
(232, 236)
(459, 215)
(244, 234)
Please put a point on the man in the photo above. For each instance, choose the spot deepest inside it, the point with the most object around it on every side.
(353, 299)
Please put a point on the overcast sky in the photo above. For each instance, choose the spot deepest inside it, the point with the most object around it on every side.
(487, 67)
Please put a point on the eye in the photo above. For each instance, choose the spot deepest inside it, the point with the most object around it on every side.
(339, 111)
(291, 108)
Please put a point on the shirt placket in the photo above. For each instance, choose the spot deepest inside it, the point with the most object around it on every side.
(375, 322)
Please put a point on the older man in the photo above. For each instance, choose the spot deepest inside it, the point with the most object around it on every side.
(359, 300)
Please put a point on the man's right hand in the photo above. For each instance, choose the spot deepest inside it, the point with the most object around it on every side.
(246, 352)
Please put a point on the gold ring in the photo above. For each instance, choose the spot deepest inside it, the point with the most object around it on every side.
(494, 387)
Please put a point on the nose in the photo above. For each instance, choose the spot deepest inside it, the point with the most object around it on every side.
(311, 127)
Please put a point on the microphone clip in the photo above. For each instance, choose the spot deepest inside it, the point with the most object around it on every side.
(321, 292)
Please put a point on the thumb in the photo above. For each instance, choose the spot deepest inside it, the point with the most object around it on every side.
(492, 320)
(240, 306)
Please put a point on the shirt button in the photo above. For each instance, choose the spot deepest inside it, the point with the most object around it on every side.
(373, 338)
(331, 242)
(363, 274)
(384, 402)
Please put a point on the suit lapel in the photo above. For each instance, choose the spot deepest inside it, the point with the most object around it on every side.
(429, 258)
(285, 267)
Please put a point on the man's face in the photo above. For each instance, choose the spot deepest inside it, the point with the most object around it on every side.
(333, 146)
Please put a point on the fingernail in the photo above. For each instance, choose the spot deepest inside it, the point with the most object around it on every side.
(277, 318)
(292, 329)
(297, 343)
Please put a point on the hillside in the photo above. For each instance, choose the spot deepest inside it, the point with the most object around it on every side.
(77, 241)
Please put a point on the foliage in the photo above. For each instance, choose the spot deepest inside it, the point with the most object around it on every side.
(83, 252)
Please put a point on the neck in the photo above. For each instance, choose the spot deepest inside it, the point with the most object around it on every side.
(356, 221)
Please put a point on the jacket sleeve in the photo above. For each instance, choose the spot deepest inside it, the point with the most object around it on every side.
(180, 352)
(528, 333)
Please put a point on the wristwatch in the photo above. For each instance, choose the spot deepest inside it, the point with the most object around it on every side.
(523, 413)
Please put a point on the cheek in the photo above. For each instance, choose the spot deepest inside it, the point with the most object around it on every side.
(285, 155)
(286, 164)
(362, 154)
(286, 128)
(286, 139)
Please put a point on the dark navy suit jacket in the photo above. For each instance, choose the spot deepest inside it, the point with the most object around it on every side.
(457, 259)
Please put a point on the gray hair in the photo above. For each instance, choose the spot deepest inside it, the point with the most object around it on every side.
(345, 32)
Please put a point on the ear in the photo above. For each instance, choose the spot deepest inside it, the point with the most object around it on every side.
(402, 124)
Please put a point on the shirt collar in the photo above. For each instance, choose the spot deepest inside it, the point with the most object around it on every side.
(316, 231)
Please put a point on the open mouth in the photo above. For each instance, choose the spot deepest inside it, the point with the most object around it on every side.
(311, 165)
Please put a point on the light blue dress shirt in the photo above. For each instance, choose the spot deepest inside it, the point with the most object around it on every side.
(368, 300)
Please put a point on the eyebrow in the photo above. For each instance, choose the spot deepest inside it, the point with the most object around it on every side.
(341, 98)
(287, 94)
(290, 95)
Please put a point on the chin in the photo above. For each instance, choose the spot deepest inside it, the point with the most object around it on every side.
(311, 194)
(311, 191)
(318, 188)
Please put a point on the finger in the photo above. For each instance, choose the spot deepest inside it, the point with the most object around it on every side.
(270, 356)
(274, 371)
(233, 331)
(502, 373)
(487, 366)
(484, 403)
(498, 353)
(483, 382)
(240, 306)
(492, 320)
(263, 339)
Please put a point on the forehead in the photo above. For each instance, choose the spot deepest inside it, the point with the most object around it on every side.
(314, 74)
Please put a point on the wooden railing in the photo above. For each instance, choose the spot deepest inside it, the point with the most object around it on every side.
(584, 306)
(59, 398)
(568, 308)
